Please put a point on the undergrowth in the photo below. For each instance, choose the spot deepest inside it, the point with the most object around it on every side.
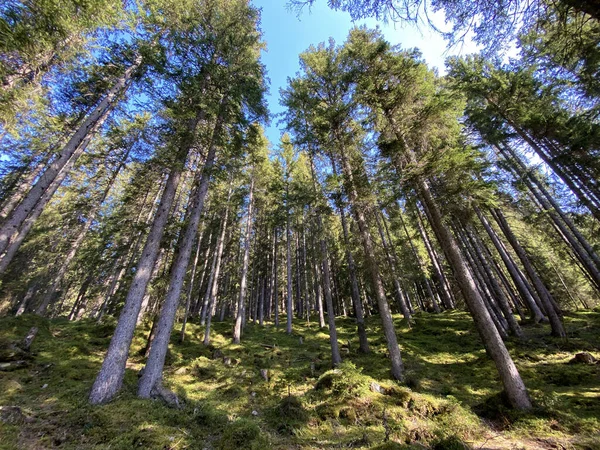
(451, 398)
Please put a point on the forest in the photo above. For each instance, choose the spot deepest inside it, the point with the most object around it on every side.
(414, 265)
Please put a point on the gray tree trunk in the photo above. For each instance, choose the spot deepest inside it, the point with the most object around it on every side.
(237, 330)
(69, 154)
(379, 291)
(520, 283)
(156, 359)
(547, 300)
(356, 301)
(509, 375)
(214, 289)
(290, 300)
(109, 380)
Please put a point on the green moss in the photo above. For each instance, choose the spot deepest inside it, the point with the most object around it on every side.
(346, 380)
(304, 404)
(243, 434)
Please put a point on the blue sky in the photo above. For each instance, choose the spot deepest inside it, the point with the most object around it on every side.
(287, 35)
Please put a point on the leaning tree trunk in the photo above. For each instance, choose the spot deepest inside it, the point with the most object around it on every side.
(447, 297)
(72, 150)
(378, 289)
(109, 380)
(547, 300)
(19, 235)
(18, 193)
(509, 375)
(150, 380)
(91, 217)
(513, 270)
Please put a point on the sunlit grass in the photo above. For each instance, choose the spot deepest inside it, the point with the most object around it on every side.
(450, 395)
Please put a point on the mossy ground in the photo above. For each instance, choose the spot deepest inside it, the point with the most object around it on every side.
(450, 399)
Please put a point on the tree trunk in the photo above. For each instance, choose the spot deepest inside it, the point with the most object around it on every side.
(215, 284)
(154, 365)
(367, 242)
(72, 150)
(275, 299)
(109, 380)
(447, 297)
(387, 250)
(188, 296)
(290, 300)
(509, 375)
(547, 300)
(356, 301)
(520, 283)
(237, 330)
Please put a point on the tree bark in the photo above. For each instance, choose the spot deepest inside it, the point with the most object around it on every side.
(379, 291)
(72, 150)
(288, 233)
(215, 284)
(509, 375)
(109, 380)
(547, 300)
(237, 330)
(520, 282)
(154, 365)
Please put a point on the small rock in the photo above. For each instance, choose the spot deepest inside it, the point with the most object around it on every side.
(217, 354)
(255, 413)
(264, 373)
(26, 344)
(45, 386)
(181, 371)
(227, 361)
(12, 365)
(12, 415)
(253, 394)
(376, 387)
(583, 358)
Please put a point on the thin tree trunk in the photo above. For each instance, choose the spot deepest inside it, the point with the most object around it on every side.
(110, 378)
(520, 283)
(91, 217)
(154, 365)
(547, 300)
(288, 244)
(237, 330)
(188, 295)
(69, 154)
(448, 296)
(275, 298)
(356, 301)
(367, 242)
(215, 284)
(386, 249)
(23, 186)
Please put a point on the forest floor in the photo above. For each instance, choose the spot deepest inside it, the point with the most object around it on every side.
(450, 399)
